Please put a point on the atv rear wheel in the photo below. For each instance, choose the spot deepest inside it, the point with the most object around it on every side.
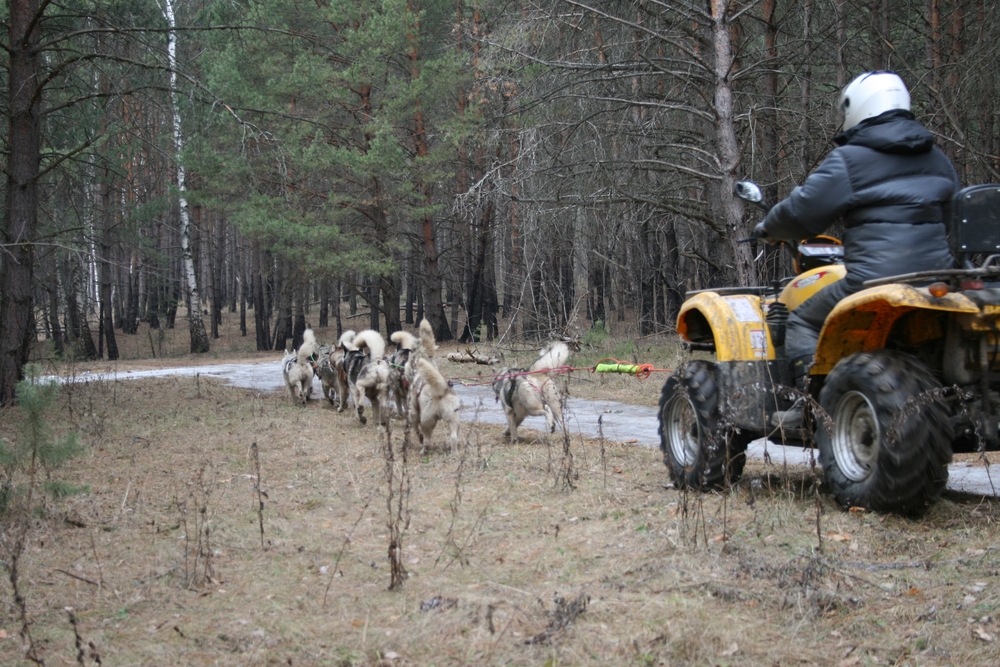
(699, 450)
(885, 441)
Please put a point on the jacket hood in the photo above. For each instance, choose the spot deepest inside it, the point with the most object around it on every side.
(892, 132)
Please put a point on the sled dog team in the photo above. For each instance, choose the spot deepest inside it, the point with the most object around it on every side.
(358, 368)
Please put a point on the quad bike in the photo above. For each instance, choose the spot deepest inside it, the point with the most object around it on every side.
(905, 372)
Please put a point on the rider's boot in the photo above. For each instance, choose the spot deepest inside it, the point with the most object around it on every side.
(792, 417)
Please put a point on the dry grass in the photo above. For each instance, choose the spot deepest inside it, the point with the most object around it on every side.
(513, 556)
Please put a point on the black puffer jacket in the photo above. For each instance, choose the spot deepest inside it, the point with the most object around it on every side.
(891, 185)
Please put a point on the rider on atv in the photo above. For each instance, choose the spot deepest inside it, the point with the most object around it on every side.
(889, 183)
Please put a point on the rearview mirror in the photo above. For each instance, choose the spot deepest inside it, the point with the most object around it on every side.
(749, 191)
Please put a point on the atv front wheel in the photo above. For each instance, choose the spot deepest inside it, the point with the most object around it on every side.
(885, 440)
(699, 450)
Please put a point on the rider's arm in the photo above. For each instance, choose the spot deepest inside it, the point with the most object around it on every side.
(815, 205)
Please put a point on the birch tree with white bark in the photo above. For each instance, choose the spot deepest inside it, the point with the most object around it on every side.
(199, 337)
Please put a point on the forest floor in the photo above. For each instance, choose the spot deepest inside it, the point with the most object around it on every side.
(552, 551)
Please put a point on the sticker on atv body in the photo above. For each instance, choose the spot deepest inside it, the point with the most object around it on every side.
(744, 310)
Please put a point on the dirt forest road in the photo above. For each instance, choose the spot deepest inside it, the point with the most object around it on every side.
(620, 422)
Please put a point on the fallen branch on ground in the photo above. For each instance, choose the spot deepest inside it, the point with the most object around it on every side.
(470, 357)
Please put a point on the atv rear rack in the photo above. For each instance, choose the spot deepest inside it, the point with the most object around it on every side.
(991, 272)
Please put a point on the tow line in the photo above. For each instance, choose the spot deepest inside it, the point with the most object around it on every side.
(606, 365)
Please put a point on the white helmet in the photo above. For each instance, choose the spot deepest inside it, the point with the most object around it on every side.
(870, 95)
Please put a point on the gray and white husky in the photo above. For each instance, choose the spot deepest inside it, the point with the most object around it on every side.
(534, 391)
(399, 385)
(297, 368)
(330, 370)
(431, 397)
(368, 374)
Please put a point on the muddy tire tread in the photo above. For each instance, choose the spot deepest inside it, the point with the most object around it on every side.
(722, 452)
(912, 468)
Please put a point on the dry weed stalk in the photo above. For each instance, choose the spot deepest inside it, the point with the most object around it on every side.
(198, 570)
(604, 458)
(560, 618)
(567, 475)
(343, 546)
(397, 502)
(257, 490)
(460, 549)
(813, 413)
(97, 560)
(81, 652)
(20, 526)
(454, 505)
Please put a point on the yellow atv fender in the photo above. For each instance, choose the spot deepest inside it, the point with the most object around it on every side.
(733, 322)
(864, 321)
(806, 285)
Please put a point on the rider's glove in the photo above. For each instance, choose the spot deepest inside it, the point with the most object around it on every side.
(760, 234)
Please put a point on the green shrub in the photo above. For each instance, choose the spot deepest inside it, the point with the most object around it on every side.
(35, 452)
(597, 335)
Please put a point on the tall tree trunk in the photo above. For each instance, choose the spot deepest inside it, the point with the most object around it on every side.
(957, 33)
(106, 330)
(390, 303)
(282, 306)
(242, 282)
(83, 340)
(805, 129)
(338, 296)
(196, 325)
(21, 216)
(300, 292)
(772, 267)
(371, 294)
(52, 287)
(433, 306)
(130, 316)
(481, 305)
(324, 302)
(411, 286)
(726, 144)
(840, 9)
(261, 317)
(218, 262)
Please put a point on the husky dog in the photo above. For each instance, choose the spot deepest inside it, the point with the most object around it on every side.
(432, 400)
(535, 393)
(398, 384)
(297, 368)
(368, 373)
(424, 349)
(330, 370)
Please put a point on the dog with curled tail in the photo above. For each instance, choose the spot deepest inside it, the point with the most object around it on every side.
(297, 368)
(432, 400)
(533, 391)
(330, 370)
(424, 349)
(399, 385)
(368, 374)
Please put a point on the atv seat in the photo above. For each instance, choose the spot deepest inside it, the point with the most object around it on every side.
(974, 227)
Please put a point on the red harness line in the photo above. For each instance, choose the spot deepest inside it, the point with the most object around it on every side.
(642, 372)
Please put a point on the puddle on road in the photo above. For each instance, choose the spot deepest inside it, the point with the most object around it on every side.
(619, 422)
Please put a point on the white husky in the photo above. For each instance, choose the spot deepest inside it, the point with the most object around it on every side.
(431, 398)
(298, 370)
(368, 374)
(533, 392)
